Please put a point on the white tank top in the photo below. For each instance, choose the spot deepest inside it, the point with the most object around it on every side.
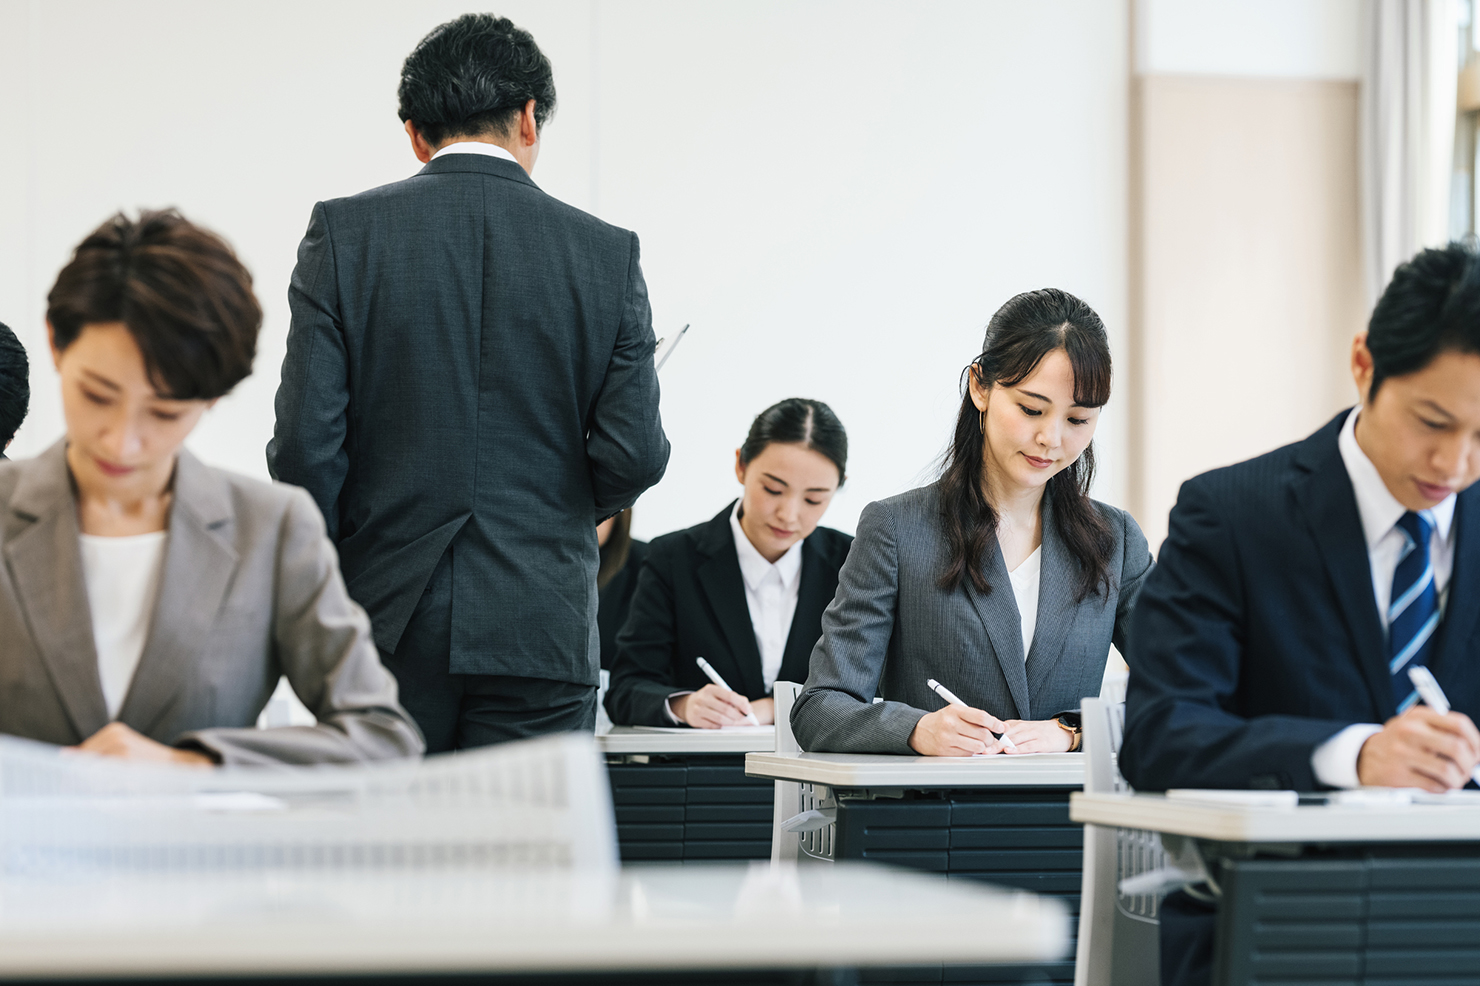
(122, 575)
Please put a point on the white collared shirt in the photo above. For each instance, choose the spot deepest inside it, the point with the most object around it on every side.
(475, 147)
(770, 595)
(1335, 761)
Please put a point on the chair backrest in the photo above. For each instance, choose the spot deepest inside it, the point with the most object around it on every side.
(785, 693)
(603, 721)
(1118, 935)
(537, 804)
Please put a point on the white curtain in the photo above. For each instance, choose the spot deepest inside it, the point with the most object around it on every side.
(1408, 117)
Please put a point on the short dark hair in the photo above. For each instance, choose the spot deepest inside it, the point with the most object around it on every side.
(799, 421)
(1431, 306)
(15, 385)
(472, 76)
(180, 291)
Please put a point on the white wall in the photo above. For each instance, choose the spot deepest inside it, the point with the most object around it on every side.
(1286, 39)
(836, 194)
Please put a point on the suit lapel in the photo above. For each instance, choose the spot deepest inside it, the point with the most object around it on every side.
(43, 552)
(1326, 497)
(1057, 609)
(1464, 582)
(719, 576)
(199, 565)
(999, 615)
(812, 599)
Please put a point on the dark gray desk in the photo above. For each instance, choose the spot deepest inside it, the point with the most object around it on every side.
(1003, 820)
(685, 797)
(1385, 895)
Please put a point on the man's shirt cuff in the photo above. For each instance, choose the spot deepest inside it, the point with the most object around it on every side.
(1334, 762)
(668, 707)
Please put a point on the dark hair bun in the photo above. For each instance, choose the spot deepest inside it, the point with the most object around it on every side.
(799, 421)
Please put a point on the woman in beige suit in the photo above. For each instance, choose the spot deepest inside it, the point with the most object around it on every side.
(148, 602)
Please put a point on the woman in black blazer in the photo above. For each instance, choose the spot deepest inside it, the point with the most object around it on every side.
(723, 590)
(621, 559)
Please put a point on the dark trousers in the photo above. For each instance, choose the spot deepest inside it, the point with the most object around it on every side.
(459, 711)
(1187, 928)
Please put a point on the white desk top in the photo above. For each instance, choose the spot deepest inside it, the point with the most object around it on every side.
(1315, 823)
(869, 770)
(418, 922)
(627, 740)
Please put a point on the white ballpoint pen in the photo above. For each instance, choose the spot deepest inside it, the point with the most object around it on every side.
(1433, 696)
(950, 697)
(713, 676)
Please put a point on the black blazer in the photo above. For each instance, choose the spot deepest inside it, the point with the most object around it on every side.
(690, 602)
(616, 600)
(470, 368)
(1257, 637)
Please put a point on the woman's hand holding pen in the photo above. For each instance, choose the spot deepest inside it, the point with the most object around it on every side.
(712, 707)
(118, 740)
(1038, 736)
(957, 731)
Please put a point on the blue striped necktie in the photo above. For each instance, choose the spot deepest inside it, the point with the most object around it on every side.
(1413, 615)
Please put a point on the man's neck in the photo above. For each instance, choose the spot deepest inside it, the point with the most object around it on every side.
(519, 154)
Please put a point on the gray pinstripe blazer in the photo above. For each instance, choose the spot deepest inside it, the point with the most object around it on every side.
(250, 591)
(891, 627)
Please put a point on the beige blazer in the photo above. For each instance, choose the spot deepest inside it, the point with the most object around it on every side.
(250, 591)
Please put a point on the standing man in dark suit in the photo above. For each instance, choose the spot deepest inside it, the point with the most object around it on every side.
(1271, 645)
(468, 389)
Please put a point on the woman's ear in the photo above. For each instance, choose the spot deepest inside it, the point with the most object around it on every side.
(981, 392)
(739, 468)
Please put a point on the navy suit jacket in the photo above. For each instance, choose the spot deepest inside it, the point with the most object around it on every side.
(470, 370)
(690, 602)
(1257, 636)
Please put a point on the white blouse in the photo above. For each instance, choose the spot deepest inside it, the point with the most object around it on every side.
(122, 576)
(1024, 580)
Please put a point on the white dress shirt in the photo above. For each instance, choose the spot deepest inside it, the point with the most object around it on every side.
(475, 147)
(122, 578)
(1335, 761)
(770, 595)
(1025, 579)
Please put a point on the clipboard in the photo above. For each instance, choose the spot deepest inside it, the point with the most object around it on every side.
(666, 346)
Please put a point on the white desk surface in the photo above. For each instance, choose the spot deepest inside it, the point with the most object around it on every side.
(626, 740)
(867, 770)
(418, 922)
(1313, 823)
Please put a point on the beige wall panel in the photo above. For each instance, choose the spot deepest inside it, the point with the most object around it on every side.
(1249, 272)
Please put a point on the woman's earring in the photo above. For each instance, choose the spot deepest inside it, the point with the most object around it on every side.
(981, 423)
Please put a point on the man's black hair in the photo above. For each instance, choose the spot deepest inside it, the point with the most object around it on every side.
(15, 385)
(471, 78)
(1431, 306)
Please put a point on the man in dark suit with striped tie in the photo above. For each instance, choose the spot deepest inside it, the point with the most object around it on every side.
(1271, 644)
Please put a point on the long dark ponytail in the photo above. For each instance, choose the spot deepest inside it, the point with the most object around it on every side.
(1026, 329)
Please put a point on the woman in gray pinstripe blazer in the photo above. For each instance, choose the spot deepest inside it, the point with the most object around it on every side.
(149, 603)
(940, 578)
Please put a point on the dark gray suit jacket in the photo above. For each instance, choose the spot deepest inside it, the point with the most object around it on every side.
(470, 367)
(891, 627)
(250, 591)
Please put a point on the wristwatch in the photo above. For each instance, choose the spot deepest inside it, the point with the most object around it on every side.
(1071, 722)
